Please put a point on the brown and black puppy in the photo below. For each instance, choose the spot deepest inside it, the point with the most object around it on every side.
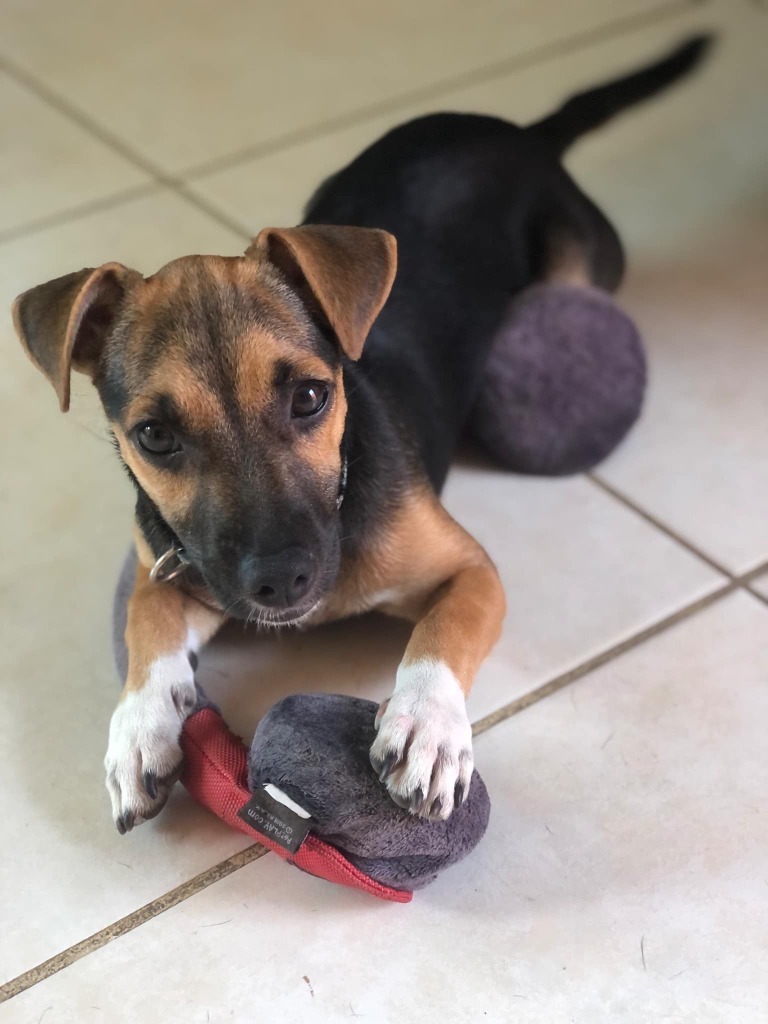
(289, 475)
(223, 380)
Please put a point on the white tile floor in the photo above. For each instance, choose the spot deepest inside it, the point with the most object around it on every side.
(624, 876)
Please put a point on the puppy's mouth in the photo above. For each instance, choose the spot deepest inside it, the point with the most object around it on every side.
(270, 618)
(250, 612)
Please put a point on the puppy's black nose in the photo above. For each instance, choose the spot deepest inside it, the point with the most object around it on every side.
(282, 579)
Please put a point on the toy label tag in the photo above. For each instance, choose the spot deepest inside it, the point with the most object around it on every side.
(275, 816)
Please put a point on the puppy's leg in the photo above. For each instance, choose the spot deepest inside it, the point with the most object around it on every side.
(164, 628)
(423, 750)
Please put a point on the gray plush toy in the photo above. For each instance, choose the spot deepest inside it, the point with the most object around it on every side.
(564, 381)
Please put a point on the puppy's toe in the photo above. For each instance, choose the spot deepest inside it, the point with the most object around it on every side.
(432, 778)
(391, 744)
(423, 750)
(137, 796)
(144, 758)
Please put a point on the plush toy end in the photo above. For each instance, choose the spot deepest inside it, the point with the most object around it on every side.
(216, 775)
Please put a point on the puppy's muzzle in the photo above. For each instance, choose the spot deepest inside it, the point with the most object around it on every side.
(279, 581)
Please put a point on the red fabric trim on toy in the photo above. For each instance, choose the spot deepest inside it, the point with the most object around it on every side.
(216, 774)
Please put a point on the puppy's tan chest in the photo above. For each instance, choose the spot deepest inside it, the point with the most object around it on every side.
(359, 591)
(403, 564)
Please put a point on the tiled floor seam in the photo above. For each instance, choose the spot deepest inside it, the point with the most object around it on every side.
(121, 148)
(613, 492)
(81, 210)
(80, 118)
(213, 874)
(604, 657)
(743, 579)
(571, 675)
(658, 14)
(131, 921)
(758, 595)
(748, 578)
(476, 76)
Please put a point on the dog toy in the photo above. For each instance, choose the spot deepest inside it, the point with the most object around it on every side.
(564, 381)
(306, 789)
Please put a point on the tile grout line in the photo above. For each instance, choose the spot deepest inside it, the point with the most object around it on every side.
(603, 658)
(749, 578)
(126, 924)
(213, 211)
(734, 584)
(743, 580)
(79, 211)
(123, 149)
(178, 182)
(182, 892)
(595, 479)
(80, 118)
(475, 76)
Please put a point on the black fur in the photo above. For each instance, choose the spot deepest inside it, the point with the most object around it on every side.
(480, 208)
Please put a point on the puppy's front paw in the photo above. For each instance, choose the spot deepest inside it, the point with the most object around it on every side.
(144, 757)
(423, 750)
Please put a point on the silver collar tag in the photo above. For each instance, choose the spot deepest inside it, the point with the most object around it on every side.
(168, 566)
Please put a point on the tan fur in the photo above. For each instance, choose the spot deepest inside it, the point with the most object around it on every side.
(54, 330)
(569, 265)
(321, 449)
(430, 571)
(173, 493)
(347, 275)
(259, 353)
(201, 407)
(462, 623)
(159, 620)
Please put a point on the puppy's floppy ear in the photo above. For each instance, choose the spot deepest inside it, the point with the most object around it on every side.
(62, 324)
(343, 274)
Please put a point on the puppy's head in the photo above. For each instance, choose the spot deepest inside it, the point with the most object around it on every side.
(222, 382)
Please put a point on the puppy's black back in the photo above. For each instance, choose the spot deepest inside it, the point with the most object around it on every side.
(471, 201)
(480, 208)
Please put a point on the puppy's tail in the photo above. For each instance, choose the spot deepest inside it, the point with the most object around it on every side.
(588, 110)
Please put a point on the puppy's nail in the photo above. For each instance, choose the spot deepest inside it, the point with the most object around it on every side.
(150, 784)
(128, 820)
(119, 824)
(387, 765)
(458, 795)
(417, 798)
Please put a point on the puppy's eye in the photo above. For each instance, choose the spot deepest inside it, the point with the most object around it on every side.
(157, 439)
(309, 398)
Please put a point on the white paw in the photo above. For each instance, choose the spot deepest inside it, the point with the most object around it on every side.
(423, 750)
(144, 757)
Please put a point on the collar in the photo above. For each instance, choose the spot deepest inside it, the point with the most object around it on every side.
(173, 562)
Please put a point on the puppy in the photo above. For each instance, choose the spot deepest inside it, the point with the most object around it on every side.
(288, 418)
